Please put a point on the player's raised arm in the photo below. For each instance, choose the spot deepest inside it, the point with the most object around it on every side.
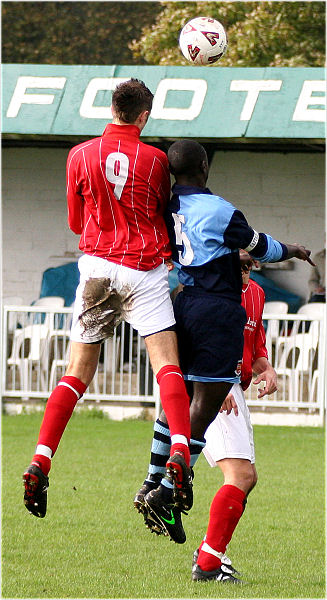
(262, 246)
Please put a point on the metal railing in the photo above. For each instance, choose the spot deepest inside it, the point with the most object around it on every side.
(35, 348)
(297, 350)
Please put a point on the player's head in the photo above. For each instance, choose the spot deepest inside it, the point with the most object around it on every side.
(188, 162)
(131, 99)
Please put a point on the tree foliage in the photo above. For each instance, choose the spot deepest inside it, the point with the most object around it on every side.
(289, 34)
(73, 32)
(103, 33)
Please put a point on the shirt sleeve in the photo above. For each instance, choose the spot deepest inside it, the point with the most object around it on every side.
(75, 200)
(261, 246)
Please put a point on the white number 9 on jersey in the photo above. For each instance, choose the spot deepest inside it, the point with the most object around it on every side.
(117, 171)
(186, 255)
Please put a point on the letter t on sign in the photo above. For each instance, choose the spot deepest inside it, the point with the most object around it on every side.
(253, 89)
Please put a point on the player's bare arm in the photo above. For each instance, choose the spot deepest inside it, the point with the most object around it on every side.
(265, 372)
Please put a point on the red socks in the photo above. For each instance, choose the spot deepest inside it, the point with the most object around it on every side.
(58, 411)
(176, 404)
(225, 512)
(43, 462)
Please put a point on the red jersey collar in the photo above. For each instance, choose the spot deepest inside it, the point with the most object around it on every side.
(131, 130)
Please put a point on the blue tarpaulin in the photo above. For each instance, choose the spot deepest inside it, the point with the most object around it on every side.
(61, 281)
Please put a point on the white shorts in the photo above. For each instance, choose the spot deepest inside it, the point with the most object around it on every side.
(230, 436)
(109, 293)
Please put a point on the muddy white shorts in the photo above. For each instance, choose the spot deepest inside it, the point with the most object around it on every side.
(109, 293)
(230, 436)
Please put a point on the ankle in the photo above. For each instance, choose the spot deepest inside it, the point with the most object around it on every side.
(182, 449)
(208, 561)
(43, 462)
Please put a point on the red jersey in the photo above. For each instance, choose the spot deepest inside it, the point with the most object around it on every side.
(253, 299)
(117, 191)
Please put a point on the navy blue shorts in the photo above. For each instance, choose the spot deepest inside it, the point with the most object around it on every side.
(210, 336)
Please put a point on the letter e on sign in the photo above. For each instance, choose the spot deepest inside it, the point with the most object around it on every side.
(306, 99)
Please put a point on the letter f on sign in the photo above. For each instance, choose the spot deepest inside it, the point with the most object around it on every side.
(20, 97)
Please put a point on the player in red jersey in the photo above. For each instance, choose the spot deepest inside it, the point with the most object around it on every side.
(229, 439)
(229, 444)
(117, 192)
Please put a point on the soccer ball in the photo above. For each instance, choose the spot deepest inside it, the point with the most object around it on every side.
(203, 41)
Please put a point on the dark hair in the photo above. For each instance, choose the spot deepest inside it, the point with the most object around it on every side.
(130, 98)
(185, 157)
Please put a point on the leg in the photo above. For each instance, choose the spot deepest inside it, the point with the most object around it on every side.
(163, 353)
(240, 477)
(79, 374)
(227, 437)
(61, 403)
(83, 361)
(225, 512)
(239, 472)
(206, 403)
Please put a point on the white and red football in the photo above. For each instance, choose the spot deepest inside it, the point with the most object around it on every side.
(203, 41)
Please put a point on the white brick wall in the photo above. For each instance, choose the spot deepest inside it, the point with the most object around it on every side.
(282, 194)
(34, 217)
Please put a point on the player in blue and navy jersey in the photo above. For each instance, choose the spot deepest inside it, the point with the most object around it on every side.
(206, 233)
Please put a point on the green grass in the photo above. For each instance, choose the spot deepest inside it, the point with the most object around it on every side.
(93, 544)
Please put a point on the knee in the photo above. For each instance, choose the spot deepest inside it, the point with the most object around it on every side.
(83, 367)
(247, 481)
(250, 478)
(241, 474)
(254, 478)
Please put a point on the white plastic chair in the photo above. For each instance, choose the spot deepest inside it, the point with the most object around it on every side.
(53, 301)
(303, 341)
(313, 388)
(296, 360)
(314, 310)
(13, 317)
(272, 332)
(59, 363)
(49, 318)
(30, 351)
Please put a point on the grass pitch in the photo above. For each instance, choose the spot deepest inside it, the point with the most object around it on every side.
(93, 544)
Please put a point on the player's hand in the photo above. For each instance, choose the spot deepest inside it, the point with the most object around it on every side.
(269, 377)
(300, 252)
(229, 404)
(169, 264)
(246, 261)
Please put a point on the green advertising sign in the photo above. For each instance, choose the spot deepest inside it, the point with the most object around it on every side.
(198, 102)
